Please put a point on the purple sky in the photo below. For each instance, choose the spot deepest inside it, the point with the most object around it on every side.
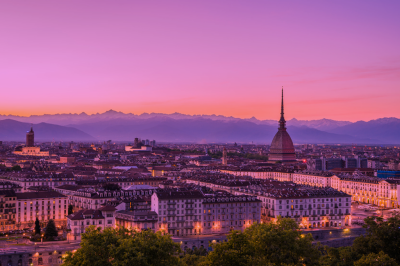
(335, 59)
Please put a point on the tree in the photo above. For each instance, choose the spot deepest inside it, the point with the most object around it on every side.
(373, 259)
(51, 230)
(70, 209)
(16, 168)
(237, 251)
(263, 244)
(117, 247)
(342, 256)
(37, 227)
(194, 257)
(380, 236)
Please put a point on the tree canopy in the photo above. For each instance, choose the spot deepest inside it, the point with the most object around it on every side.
(277, 243)
(117, 247)
(51, 230)
(381, 243)
(37, 227)
(280, 243)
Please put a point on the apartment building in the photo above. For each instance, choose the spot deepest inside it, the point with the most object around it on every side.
(78, 221)
(93, 198)
(182, 213)
(323, 179)
(7, 210)
(224, 212)
(362, 188)
(137, 220)
(26, 180)
(310, 208)
(42, 205)
(179, 212)
(370, 190)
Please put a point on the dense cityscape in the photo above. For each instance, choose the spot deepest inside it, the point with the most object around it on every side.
(195, 193)
(199, 133)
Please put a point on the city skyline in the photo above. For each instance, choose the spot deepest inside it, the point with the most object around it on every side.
(335, 61)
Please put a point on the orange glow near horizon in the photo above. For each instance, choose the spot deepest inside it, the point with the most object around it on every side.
(207, 57)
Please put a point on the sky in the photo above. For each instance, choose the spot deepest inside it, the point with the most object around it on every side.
(335, 59)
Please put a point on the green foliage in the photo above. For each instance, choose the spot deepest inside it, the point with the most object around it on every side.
(37, 227)
(381, 236)
(195, 257)
(279, 243)
(266, 244)
(373, 259)
(51, 230)
(342, 256)
(117, 247)
(382, 241)
(193, 260)
(197, 251)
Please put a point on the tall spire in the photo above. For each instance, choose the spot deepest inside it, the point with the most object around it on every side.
(282, 122)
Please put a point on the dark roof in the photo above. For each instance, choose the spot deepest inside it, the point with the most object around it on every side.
(7, 192)
(39, 195)
(179, 194)
(107, 208)
(80, 215)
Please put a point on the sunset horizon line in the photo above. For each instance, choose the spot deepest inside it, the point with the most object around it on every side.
(186, 114)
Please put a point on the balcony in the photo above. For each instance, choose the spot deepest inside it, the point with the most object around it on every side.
(171, 209)
(171, 203)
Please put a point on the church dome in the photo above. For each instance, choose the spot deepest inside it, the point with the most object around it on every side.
(282, 143)
(282, 148)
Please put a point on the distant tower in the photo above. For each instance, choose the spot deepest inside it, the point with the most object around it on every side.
(224, 157)
(136, 143)
(282, 148)
(30, 138)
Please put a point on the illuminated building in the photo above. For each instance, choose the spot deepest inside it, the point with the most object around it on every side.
(30, 149)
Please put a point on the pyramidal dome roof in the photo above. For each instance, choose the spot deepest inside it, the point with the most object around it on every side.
(282, 148)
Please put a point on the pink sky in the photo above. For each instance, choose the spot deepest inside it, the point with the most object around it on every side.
(335, 59)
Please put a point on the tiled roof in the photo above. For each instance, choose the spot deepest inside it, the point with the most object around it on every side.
(39, 195)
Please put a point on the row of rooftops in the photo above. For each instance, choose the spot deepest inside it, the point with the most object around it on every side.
(93, 214)
(31, 195)
(300, 193)
(31, 176)
(195, 193)
(91, 192)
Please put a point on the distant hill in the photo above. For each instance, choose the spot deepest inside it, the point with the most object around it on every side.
(385, 129)
(11, 130)
(321, 124)
(204, 130)
(178, 127)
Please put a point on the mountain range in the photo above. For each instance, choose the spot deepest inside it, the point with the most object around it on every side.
(178, 127)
